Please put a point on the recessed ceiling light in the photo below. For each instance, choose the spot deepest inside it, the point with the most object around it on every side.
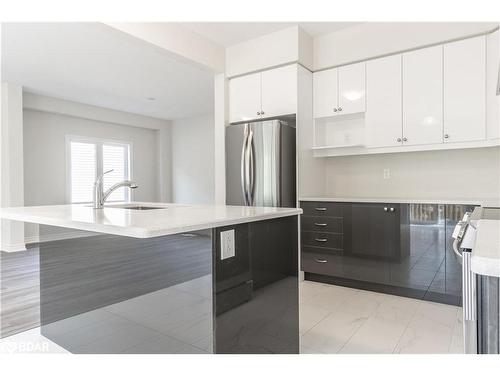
(151, 99)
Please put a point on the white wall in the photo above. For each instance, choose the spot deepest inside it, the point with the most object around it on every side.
(469, 174)
(177, 40)
(279, 48)
(45, 157)
(45, 154)
(372, 39)
(193, 160)
(11, 164)
(220, 122)
(310, 170)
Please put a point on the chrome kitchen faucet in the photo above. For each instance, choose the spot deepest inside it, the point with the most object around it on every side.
(100, 195)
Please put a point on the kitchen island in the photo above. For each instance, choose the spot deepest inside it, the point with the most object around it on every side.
(167, 278)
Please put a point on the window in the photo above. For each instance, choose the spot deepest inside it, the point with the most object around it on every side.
(88, 158)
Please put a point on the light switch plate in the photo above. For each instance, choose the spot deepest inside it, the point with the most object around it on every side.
(227, 244)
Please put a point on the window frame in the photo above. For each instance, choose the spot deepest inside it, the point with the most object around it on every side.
(98, 142)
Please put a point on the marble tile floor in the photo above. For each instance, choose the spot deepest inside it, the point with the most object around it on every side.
(332, 320)
(342, 320)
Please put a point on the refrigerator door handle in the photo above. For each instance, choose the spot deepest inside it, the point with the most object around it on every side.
(251, 169)
(244, 165)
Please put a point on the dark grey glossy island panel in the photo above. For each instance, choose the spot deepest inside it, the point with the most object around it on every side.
(257, 305)
(173, 294)
(114, 294)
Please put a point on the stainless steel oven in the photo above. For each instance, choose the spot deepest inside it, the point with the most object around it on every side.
(480, 293)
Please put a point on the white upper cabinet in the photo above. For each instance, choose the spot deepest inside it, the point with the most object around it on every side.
(351, 88)
(245, 97)
(465, 90)
(325, 93)
(492, 85)
(268, 94)
(423, 96)
(339, 91)
(279, 91)
(384, 102)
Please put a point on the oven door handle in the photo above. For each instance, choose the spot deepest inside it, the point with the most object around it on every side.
(468, 288)
(457, 252)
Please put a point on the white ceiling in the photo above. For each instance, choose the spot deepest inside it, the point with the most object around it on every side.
(94, 64)
(229, 33)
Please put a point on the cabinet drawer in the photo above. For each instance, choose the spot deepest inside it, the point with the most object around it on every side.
(322, 209)
(321, 224)
(319, 239)
(315, 262)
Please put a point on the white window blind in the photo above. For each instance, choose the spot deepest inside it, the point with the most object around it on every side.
(83, 171)
(88, 159)
(115, 157)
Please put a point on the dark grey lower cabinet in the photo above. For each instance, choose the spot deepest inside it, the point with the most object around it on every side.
(379, 231)
(389, 248)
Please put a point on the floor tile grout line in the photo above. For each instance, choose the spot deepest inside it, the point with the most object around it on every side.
(404, 331)
(326, 316)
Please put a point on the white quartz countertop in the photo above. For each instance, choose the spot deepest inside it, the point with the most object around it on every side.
(170, 219)
(485, 259)
(485, 202)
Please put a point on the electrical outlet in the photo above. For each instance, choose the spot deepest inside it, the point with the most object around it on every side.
(227, 244)
(387, 174)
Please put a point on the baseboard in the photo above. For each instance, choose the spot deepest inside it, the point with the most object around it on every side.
(425, 295)
(12, 248)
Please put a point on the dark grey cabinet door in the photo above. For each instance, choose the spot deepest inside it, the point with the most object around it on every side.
(374, 230)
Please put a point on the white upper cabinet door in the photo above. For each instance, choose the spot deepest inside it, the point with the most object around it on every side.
(279, 91)
(492, 85)
(465, 90)
(423, 96)
(325, 93)
(383, 117)
(352, 88)
(245, 98)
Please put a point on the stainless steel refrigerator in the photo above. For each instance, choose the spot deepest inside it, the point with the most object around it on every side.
(260, 164)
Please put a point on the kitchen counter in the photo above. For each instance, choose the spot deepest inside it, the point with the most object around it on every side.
(170, 219)
(485, 259)
(485, 202)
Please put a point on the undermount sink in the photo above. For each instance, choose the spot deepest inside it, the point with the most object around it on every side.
(135, 207)
(142, 208)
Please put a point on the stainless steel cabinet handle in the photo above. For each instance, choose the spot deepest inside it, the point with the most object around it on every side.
(320, 260)
(320, 239)
(447, 136)
(405, 139)
(386, 209)
(392, 209)
(335, 110)
(340, 109)
(320, 208)
(399, 139)
(320, 224)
